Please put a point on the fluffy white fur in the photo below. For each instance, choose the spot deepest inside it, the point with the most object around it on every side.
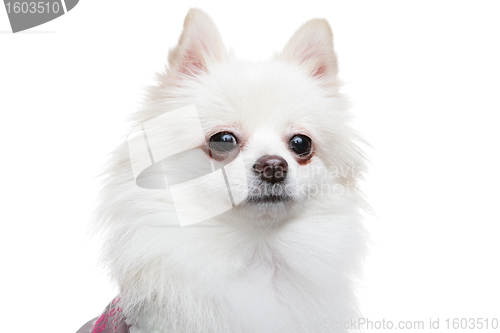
(271, 267)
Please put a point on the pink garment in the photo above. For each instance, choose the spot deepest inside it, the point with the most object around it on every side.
(110, 321)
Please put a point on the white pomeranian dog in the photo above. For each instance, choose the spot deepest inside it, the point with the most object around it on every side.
(286, 256)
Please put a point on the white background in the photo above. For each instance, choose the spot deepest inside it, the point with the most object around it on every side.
(424, 81)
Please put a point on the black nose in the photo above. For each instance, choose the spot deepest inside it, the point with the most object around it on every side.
(272, 168)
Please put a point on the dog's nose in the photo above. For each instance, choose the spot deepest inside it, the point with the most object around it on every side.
(272, 168)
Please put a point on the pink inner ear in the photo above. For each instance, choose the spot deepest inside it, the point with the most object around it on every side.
(308, 55)
(320, 71)
(191, 63)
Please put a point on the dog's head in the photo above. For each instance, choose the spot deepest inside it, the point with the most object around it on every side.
(284, 117)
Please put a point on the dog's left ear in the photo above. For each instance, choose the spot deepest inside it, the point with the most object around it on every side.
(311, 47)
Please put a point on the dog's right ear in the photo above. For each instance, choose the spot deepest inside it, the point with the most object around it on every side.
(199, 46)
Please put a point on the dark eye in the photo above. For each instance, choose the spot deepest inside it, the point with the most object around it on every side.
(222, 142)
(301, 145)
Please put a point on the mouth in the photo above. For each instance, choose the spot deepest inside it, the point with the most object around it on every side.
(268, 199)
